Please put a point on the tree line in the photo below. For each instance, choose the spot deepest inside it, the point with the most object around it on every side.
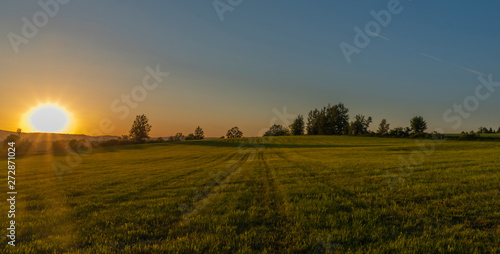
(139, 133)
(335, 120)
(329, 120)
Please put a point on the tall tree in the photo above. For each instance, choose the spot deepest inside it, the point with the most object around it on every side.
(313, 122)
(298, 125)
(234, 133)
(140, 129)
(343, 118)
(360, 125)
(418, 124)
(383, 127)
(330, 120)
(198, 133)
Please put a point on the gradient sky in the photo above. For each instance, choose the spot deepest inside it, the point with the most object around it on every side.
(264, 55)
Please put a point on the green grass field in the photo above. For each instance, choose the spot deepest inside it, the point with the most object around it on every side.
(265, 195)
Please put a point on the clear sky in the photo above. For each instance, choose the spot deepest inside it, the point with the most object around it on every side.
(263, 55)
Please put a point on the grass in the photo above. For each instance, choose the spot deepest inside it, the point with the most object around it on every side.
(487, 136)
(263, 195)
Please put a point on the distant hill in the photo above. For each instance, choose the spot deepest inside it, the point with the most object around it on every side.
(40, 137)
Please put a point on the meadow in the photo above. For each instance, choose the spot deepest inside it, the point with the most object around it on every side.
(306, 194)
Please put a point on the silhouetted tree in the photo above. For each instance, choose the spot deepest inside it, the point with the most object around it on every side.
(407, 131)
(277, 130)
(330, 120)
(336, 119)
(160, 140)
(140, 129)
(383, 127)
(482, 130)
(190, 136)
(199, 134)
(398, 132)
(234, 133)
(360, 125)
(315, 122)
(418, 124)
(298, 125)
(498, 131)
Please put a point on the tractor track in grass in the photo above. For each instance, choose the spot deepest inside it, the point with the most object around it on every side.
(195, 207)
(213, 189)
(129, 196)
(274, 199)
(317, 180)
(272, 204)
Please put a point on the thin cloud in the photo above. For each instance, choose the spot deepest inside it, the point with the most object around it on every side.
(473, 71)
(432, 57)
(385, 38)
(460, 67)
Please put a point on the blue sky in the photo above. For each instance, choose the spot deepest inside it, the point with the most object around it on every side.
(264, 55)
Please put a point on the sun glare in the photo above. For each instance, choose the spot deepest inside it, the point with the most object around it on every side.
(49, 117)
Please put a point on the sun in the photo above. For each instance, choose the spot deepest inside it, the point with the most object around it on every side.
(49, 118)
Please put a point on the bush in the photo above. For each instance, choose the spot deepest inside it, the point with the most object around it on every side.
(468, 136)
(234, 133)
(81, 146)
(191, 136)
(178, 137)
(277, 130)
(59, 146)
(399, 132)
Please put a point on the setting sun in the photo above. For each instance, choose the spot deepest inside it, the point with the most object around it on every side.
(49, 117)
